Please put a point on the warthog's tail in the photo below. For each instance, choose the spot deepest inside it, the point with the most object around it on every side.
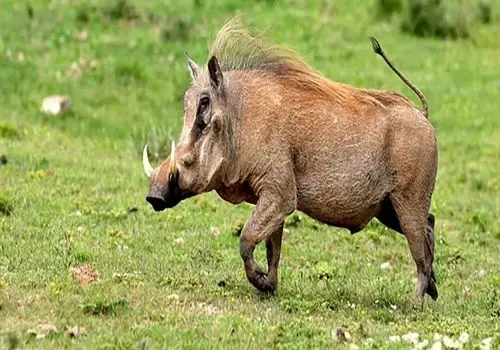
(378, 50)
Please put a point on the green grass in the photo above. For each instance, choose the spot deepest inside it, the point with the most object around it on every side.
(74, 187)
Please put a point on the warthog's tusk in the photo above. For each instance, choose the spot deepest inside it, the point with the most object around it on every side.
(148, 169)
(172, 159)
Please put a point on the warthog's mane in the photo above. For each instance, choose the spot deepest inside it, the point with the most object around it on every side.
(237, 49)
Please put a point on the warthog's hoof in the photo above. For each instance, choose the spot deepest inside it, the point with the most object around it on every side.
(432, 289)
(260, 280)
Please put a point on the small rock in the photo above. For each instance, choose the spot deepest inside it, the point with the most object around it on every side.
(411, 337)
(394, 338)
(56, 105)
(76, 331)
(179, 241)
(437, 346)
(341, 335)
(385, 266)
(464, 338)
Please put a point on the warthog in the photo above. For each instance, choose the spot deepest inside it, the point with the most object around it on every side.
(261, 126)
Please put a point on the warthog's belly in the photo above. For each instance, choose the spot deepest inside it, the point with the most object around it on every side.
(349, 202)
(237, 193)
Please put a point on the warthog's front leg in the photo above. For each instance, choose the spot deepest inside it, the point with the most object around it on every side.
(273, 253)
(266, 222)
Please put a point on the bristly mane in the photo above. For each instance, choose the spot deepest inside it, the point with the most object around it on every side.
(237, 49)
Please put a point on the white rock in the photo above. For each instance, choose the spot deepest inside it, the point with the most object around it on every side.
(437, 346)
(385, 266)
(56, 105)
(394, 338)
(464, 337)
(411, 337)
(348, 336)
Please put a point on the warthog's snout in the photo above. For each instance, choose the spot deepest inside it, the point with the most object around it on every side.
(157, 201)
(165, 192)
(163, 197)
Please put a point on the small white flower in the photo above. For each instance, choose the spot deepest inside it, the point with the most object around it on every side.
(464, 337)
(385, 266)
(394, 307)
(437, 336)
(394, 338)
(486, 343)
(437, 346)
(411, 337)
(422, 345)
(450, 343)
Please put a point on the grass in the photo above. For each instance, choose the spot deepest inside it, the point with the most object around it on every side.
(75, 189)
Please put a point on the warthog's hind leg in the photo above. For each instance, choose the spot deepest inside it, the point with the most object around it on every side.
(421, 246)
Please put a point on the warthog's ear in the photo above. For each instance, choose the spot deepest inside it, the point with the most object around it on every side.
(193, 67)
(215, 73)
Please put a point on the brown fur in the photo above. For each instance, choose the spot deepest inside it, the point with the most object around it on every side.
(283, 137)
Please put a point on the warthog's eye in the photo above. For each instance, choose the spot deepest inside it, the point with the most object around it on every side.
(203, 105)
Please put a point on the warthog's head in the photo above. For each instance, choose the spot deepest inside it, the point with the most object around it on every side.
(196, 165)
